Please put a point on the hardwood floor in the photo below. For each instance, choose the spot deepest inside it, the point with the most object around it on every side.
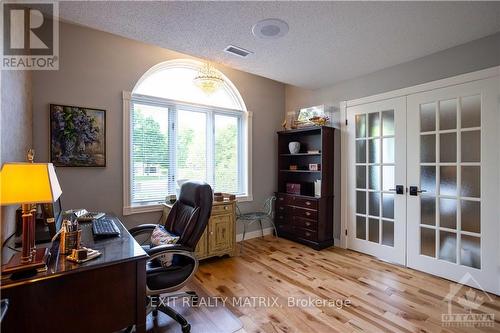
(384, 297)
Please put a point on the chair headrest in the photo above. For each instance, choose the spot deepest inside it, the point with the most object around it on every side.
(196, 193)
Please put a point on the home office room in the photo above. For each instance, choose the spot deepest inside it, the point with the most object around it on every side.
(176, 166)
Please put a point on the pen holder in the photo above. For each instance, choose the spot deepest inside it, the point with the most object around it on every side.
(70, 240)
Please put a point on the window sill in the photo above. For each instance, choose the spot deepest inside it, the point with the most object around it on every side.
(159, 207)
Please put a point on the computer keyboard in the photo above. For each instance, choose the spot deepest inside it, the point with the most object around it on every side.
(105, 227)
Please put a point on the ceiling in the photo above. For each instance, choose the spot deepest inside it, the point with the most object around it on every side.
(327, 42)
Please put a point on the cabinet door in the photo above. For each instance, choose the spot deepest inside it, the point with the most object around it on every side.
(201, 250)
(220, 231)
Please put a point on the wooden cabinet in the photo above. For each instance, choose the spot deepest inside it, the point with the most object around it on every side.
(306, 217)
(220, 236)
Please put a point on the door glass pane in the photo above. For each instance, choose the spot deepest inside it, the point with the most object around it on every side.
(427, 117)
(361, 227)
(448, 147)
(388, 233)
(388, 122)
(471, 146)
(388, 205)
(471, 216)
(448, 246)
(361, 176)
(428, 148)
(471, 111)
(374, 177)
(448, 114)
(360, 125)
(373, 230)
(374, 151)
(448, 213)
(448, 182)
(427, 210)
(360, 151)
(374, 203)
(373, 124)
(470, 251)
(388, 150)
(428, 178)
(191, 145)
(361, 202)
(388, 178)
(428, 242)
(471, 181)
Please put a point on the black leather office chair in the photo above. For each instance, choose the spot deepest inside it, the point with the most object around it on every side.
(187, 219)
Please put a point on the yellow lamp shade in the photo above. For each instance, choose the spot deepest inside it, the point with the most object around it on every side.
(28, 183)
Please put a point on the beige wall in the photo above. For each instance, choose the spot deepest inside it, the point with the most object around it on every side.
(469, 57)
(95, 68)
(15, 130)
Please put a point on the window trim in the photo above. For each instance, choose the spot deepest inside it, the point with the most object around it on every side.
(245, 146)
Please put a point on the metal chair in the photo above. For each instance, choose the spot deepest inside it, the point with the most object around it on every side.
(251, 217)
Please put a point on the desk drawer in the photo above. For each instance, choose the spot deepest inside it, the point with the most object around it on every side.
(221, 209)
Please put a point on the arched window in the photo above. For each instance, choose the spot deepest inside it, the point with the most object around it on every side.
(174, 131)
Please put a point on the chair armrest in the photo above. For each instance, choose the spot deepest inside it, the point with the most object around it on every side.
(141, 229)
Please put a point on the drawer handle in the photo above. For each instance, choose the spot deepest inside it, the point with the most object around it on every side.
(282, 208)
(308, 203)
(308, 214)
(308, 234)
(226, 207)
(280, 217)
(308, 224)
(280, 199)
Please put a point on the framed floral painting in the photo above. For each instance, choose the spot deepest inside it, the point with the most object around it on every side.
(77, 136)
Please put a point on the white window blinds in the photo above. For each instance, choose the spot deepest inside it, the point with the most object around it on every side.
(173, 141)
(150, 154)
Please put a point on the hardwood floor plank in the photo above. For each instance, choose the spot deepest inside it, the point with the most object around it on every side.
(383, 297)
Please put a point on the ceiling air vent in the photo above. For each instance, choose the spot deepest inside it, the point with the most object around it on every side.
(237, 51)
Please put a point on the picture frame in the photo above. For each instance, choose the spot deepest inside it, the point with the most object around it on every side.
(77, 136)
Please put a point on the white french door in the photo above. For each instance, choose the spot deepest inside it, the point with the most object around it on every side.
(440, 151)
(453, 176)
(377, 157)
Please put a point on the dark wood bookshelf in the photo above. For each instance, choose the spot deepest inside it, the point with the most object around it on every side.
(304, 217)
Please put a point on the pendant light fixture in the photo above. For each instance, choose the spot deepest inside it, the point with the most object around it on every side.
(208, 79)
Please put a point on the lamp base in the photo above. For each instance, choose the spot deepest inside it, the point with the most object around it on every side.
(15, 265)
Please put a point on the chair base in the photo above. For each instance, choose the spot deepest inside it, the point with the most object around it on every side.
(160, 306)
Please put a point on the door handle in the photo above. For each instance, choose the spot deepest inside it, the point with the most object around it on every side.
(400, 189)
(415, 191)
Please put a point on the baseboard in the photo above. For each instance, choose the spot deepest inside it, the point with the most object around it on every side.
(254, 234)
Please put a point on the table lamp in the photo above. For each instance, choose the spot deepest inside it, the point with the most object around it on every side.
(28, 184)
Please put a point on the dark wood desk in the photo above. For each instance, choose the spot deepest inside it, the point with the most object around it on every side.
(105, 294)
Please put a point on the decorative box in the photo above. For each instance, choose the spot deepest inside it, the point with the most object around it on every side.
(293, 188)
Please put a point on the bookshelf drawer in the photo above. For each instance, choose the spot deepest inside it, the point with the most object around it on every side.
(305, 213)
(305, 223)
(304, 202)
